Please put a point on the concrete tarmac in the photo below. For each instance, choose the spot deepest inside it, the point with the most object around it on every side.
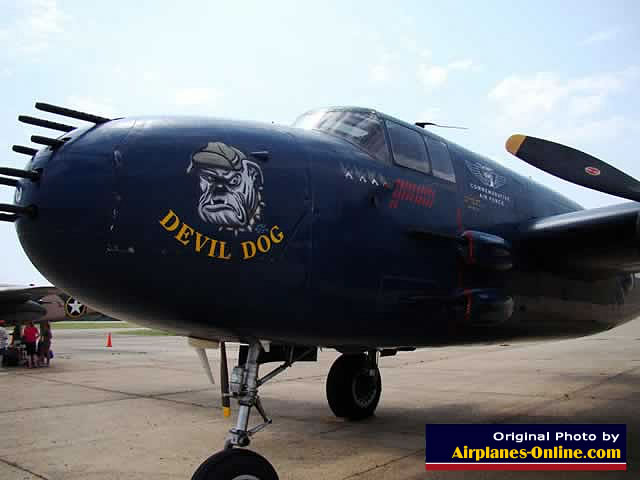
(144, 408)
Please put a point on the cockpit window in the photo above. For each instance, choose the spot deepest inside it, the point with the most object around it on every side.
(309, 120)
(408, 147)
(362, 128)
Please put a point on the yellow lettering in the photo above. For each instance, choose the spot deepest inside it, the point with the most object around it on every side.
(263, 239)
(221, 256)
(457, 453)
(165, 221)
(184, 233)
(212, 249)
(276, 237)
(199, 242)
(248, 255)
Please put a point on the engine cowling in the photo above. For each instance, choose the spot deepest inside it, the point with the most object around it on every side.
(484, 250)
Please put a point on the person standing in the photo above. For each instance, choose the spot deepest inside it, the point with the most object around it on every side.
(44, 345)
(30, 337)
(4, 341)
(16, 336)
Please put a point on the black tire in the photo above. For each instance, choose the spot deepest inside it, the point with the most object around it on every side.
(352, 391)
(235, 463)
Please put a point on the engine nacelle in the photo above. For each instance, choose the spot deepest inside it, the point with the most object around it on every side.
(485, 250)
(484, 307)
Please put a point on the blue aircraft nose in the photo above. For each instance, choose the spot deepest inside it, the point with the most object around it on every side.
(216, 210)
(73, 199)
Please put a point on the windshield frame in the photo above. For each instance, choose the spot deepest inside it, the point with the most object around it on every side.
(319, 115)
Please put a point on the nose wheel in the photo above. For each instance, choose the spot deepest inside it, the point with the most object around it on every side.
(354, 386)
(235, 464)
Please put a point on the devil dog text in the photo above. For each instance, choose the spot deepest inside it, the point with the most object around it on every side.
(187, 236)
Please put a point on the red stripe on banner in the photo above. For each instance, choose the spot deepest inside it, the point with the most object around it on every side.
(526, 466)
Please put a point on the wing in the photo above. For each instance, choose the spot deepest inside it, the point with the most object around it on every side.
(600, 241)
(19, 294)
(22, 304)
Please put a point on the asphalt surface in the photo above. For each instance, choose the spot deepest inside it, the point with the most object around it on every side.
(144, 408)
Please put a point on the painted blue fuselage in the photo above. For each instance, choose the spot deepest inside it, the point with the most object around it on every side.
(221, 229)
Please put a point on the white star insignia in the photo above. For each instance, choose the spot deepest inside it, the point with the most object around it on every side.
(75, 308)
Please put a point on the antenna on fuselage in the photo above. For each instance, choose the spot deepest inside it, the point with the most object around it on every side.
(427, 124)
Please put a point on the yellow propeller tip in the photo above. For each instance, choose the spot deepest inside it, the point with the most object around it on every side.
(226, 411)
(514, 142)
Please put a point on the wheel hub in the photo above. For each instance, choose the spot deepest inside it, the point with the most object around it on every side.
(364, 388)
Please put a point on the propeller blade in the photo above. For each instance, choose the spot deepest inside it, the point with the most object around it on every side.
(224, 381)
(574, 166)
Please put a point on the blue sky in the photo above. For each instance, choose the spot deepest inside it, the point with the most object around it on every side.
(567, 71)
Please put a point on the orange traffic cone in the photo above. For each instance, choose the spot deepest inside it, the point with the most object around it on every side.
(109, 340)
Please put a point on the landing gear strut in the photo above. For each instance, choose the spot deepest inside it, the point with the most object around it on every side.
(235, 463)
(354, 386)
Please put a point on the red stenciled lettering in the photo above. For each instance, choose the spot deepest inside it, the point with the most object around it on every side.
(405, 191)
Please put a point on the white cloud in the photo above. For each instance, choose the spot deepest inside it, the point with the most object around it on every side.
(431, 114)
(520, 96)
(409, 43)
(194, 96)
(433, 76)
(586, 104)
(380, 73)
(528, 99)
(595, 130)
(465, 64)
(568, 110)
(38, 22)
(44, 17)
(426, 53)
(601, 36)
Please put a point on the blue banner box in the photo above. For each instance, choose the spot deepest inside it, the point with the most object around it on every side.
(526, 447)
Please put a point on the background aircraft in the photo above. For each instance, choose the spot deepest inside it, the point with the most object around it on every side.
(22, 304)
(351, 230)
